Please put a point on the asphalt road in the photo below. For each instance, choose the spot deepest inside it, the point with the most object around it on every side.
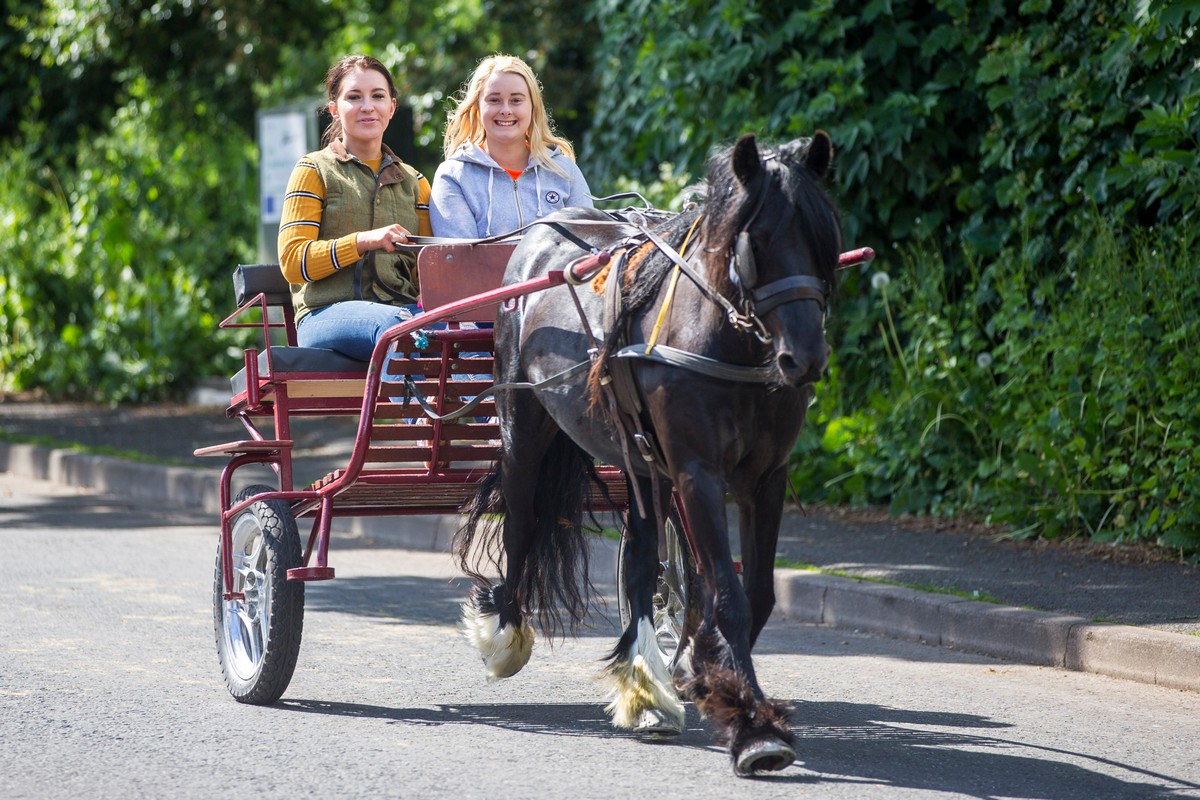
(109, 687)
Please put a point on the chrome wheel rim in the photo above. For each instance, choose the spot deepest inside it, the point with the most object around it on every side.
(670, 597)
(246, 616)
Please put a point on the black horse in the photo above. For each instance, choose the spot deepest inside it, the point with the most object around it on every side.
(695, 380)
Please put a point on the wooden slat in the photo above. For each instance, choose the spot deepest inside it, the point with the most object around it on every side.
(299, 389)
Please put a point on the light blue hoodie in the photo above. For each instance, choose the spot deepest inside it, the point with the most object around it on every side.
(473, 197)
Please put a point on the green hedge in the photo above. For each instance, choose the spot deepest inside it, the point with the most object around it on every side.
(1029, 173)
(1061, 404)
(955, 122)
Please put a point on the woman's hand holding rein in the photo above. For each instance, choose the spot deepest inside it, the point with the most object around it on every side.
(386, 238)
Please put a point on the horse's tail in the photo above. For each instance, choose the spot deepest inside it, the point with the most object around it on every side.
(483, 525)
(553, 580)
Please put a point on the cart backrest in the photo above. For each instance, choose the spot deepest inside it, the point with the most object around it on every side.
(251, 279)
(450, 272)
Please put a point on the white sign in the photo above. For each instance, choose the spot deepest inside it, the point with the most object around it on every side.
(282, 140)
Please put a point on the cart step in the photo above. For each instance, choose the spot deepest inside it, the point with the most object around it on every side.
(246, 446)
(310, 573)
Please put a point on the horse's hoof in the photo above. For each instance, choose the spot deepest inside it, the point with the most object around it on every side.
(763, 755)
(655, 726)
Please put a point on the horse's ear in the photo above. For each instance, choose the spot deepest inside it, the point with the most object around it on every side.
(746, 162)
(820, 154)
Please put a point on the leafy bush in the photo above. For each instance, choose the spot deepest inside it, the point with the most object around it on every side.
(1063, 404)
(113, 279)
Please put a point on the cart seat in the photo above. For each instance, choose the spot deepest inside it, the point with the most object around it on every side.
(250, 280)
(300, 359)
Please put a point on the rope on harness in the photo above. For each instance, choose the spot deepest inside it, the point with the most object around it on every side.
(431, 412)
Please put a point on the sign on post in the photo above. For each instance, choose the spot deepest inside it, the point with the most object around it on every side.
(285, 133)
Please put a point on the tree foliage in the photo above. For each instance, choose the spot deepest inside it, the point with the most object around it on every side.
(128, 141)
(1028, 170)
(955, 121)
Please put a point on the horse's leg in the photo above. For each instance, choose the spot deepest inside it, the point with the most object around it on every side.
(643, 693)
(725, 687)
(758, 529)
(494, 618)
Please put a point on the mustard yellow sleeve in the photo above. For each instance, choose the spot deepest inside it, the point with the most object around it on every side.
(424, 227)
(302, 256)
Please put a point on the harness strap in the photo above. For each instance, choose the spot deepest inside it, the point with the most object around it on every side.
(784, 290)
(670, 252)
(665, 354)
(670, 295)
(415, 394)
(415, 242)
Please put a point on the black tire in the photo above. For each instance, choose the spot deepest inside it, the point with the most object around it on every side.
(674, 591)
(258, 637)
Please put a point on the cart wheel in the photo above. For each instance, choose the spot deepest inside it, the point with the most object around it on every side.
(673, 592)
(258, 633)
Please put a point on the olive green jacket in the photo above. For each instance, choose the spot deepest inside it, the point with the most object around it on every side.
(358, 200)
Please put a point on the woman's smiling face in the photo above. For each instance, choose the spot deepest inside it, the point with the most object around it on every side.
(364, 105)
(505, 108)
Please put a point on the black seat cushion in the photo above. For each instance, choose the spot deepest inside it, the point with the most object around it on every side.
(301, 359)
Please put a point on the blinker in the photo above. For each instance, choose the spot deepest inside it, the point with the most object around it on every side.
(746, 272)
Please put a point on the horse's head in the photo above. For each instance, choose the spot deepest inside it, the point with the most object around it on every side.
(771, 225)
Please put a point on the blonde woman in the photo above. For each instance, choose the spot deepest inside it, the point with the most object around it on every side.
(504, 166)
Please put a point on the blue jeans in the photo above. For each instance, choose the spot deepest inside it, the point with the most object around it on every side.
(351, 327)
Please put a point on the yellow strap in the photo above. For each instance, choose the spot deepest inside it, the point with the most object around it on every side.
(670, 296)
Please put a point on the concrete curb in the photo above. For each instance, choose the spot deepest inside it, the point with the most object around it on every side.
(1165, 659)
(197, 489)
(1040, 638)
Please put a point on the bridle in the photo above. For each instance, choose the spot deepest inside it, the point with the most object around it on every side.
(758, 301)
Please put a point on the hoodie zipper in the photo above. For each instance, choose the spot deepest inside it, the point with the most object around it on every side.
(517, 202)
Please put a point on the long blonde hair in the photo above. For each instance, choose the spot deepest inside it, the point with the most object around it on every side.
(465, 124)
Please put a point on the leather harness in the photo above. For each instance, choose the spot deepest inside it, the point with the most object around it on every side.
(623, 400)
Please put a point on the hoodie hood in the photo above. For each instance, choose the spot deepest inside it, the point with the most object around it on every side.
(474, 197)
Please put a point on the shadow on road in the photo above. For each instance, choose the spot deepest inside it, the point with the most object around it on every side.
(413, 600)
(940, 752)
(102, 512)
(842, 743)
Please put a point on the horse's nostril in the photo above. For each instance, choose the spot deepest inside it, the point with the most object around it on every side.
(792, 369)
(798, 372)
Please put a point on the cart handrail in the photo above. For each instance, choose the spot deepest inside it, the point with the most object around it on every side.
(380, 355)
